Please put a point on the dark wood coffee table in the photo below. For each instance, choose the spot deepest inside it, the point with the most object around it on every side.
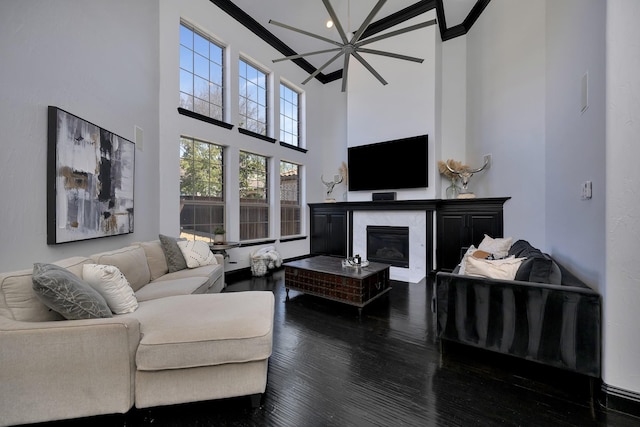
(325, 277)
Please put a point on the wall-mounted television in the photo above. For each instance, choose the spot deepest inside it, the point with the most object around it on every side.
(389, 165)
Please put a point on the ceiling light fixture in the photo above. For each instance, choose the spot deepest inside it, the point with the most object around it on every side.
(354, 46)
(329, 23)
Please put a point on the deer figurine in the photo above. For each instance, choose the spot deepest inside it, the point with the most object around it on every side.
(337, 179)
(465, 174)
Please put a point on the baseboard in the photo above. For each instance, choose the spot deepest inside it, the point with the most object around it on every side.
(617, 399)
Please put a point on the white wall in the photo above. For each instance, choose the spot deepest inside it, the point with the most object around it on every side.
(622, 347)
(405, 107)
(524, 108)
(575, 141)
(506, 112)
(97, 60)
(453, 105)
(325, 124)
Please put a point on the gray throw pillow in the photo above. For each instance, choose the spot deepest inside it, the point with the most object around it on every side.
(172, 252)
(64, 292)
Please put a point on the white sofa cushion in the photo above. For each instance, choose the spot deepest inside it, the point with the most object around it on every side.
(188, 331)
(18, 301)
(155, 258)
(168, 288)
(131, 261)
(109, 281)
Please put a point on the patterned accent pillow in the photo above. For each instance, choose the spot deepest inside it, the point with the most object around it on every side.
(197, 253)
(175, 259)
(64, 292)
(109, 281)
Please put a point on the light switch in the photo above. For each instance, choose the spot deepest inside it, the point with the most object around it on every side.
(586, 190)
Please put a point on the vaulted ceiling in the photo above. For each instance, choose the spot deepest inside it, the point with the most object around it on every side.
(455, 18)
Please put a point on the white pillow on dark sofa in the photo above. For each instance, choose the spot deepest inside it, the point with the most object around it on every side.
(498, 247)
(504, 269)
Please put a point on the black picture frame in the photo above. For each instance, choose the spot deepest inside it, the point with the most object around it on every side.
(90, 180)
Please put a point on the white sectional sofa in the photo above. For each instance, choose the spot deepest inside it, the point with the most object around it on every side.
(184, 342)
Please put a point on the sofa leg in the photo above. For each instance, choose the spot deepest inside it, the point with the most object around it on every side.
(256, 399)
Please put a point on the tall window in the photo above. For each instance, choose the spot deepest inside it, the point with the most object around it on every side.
(201, 73)
(289, 123)
(254, 196)
(289, 199)
(201, 189)
(253, 99)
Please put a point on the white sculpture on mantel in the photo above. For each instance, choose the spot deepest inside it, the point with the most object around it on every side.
(465, 174)
(337, 179)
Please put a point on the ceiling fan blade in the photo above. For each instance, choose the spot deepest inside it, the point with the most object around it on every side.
(319, 70)
(336, 21)
(368, 20)
(396, 33)
(345, 72)
(391, 55)
(306, 33)
(301, 55)
(368, 67)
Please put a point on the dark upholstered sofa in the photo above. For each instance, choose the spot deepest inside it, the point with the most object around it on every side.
(557, 324)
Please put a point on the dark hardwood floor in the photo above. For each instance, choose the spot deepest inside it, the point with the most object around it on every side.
(331, 368)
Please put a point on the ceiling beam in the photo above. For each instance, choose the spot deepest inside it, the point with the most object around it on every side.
(448, 33)
(385, 23)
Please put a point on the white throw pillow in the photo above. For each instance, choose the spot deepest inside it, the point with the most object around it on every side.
(499, 248)
(504, 269)
(196, 253)
(463, 261)
(109, 281)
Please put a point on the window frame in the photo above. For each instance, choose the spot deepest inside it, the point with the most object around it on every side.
(243, 117)
(213, 202)
(264, 204)
(221, 83)
(292, 207)
(296, 141)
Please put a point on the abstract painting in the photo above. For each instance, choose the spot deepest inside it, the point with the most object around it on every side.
(90, 174)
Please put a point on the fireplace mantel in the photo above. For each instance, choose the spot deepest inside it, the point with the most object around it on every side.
(334, 221)
(422, 204)
(382, 205)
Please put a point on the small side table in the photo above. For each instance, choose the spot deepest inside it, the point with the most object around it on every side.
(221, 248)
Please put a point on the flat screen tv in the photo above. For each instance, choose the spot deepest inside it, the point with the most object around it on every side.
(389, 165)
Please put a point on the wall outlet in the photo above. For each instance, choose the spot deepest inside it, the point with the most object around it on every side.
(587, 189)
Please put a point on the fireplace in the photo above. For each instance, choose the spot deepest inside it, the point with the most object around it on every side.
(389, 245)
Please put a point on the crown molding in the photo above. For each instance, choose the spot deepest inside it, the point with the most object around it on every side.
(396, 18)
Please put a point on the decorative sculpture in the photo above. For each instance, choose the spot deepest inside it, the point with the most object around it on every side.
(464, 174)
(337, 179)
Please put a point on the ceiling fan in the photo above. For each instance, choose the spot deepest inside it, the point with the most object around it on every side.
(354, 46)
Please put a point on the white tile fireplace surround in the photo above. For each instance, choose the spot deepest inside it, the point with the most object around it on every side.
(417, 223)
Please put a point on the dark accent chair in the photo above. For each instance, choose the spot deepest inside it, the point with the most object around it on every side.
(553, 324)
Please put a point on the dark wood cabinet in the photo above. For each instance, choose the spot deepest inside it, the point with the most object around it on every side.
(464, 222)
(328, 231)
(458, 223)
